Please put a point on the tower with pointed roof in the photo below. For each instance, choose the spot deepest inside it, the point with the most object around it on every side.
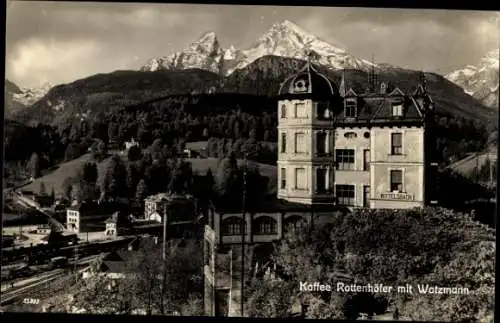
(351, 147)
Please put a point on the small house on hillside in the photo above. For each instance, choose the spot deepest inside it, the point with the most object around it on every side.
(130, 144)
(117, 224)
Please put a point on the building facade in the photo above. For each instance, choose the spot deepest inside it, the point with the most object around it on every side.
(269, 222)
(86, 217)
(176, 207)
(356, 150)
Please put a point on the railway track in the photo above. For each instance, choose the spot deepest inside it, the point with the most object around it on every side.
(10, 256)
(44, 286)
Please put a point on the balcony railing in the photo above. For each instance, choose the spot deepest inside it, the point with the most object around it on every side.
(323, 191)
(323, 154)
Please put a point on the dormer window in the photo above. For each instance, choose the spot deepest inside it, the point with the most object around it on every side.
(350, 108)
(397, 110)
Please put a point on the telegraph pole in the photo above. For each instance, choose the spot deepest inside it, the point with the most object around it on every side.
(76, 262)
(491, 172)
(164, 256)
(164, 233)
(243, 230)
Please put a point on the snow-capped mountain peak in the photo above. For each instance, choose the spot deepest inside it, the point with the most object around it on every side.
(205, 53)
(284, 39)
(28, 96)
(481, 80)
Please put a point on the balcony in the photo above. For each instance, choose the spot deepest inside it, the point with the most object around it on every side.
(323, 191)
(323, 154)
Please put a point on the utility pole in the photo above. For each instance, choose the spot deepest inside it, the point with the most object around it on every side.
(164, 233)
(491, 172)
(243, 231)
(164, 257)
(477, 168)
(76, 262)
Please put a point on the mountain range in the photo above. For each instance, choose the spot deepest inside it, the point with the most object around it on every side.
(481, 80)
(18, 98)
(284, 39)
(206, 67)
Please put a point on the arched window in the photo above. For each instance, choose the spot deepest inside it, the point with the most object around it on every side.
(294, 223)
(265, 225)
(232, 226)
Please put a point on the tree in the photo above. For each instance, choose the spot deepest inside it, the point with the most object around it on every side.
(270, 299)
(42, 190)
(141, 192)
(114, 182)
(98, 149)
(89, 173)
(72, 152)
(67, 186)
(134, 154)
(34, 165)
(229, 184)
(181, 179)
(52, 194)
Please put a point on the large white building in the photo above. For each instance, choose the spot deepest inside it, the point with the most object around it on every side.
(356, 150)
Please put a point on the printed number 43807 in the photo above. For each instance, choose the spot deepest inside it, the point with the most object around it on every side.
(31, 301)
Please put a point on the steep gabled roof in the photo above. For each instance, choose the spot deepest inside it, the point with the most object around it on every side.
(396, 92)
(351, 93)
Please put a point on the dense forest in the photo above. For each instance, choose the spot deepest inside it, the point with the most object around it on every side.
(141, 174)
(227, 122)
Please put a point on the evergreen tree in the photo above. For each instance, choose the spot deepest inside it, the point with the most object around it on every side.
(229, 184)
(34, 165)
(141, 192)
(42, 189)
(114, 182)
(67, 187)
(134, 154)
(52, 194)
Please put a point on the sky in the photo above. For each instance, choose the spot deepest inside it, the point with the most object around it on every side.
(59, 42)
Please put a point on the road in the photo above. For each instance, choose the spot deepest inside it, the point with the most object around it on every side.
(19, 198)
(33, 285)
(22, 184)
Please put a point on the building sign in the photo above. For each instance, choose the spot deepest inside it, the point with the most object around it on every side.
(397, 196)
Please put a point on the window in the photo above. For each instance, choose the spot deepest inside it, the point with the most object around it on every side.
(283, 111)
(323, 111)
(397, 144)
(366, 196)
(345, 159)
(321, 180)
(265, 225)
(283, 178)
(345, 194)
(300, 143)
(294, 224)
(283, 142)
(350, 108)
(397, 110)
(300, 179)
(300, 110)
(366, 160)
(232, 226)
(321, 143)
(350, 135)
(396, 180)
